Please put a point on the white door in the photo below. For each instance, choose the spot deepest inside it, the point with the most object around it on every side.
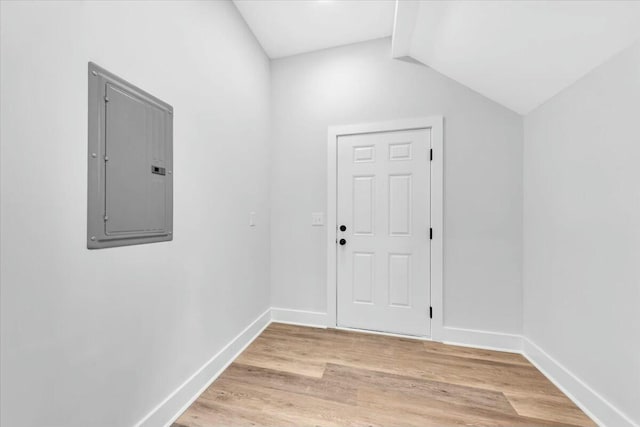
(383, 236)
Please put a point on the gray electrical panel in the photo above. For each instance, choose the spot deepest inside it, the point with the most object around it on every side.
(130, 198)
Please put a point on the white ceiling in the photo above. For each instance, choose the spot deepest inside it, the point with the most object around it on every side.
(287, 27)
(518, 53)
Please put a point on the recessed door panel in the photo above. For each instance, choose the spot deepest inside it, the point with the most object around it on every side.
(364, 154)
(399, 279)
(363, 204)
(400, 151)
(400, 205)
(363, 277)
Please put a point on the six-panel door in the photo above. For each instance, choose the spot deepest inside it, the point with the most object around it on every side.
(384, 205)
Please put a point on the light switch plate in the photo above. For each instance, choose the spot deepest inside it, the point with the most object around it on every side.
(252, 219)
(317, 219)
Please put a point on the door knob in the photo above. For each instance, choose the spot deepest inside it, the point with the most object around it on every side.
(343, 228)
(342, 242)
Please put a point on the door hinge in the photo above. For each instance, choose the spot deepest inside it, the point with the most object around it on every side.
(430, 312)
(431, 234)
(106, 98)
(430, 154)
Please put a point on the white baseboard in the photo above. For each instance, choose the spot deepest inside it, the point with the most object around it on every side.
(315, 319)
(587, 399)
(482, 339)
(180, 399)
(456, 336)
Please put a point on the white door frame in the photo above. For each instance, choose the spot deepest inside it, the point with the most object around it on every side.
(435, 123)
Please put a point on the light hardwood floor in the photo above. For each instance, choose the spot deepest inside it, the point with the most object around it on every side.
(293, 375)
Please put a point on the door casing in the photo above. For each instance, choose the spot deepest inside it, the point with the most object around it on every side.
(435, 124)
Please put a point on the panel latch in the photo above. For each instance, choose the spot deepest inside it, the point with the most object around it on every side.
(158, 170)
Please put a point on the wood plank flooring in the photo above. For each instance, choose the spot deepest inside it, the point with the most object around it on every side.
(298, 376)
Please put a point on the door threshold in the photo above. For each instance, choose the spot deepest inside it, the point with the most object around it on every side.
(388, 334)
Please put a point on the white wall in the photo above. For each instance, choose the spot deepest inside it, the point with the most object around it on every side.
(582, 230)
(483, 176)
(98, 338)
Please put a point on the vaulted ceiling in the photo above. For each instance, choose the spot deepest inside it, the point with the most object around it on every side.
(517, 53)
(288, 27)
